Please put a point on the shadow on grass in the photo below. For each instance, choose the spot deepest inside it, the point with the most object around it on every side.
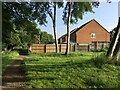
(41, 78)
(95, 62)
(56, 67)
(92, 78)
(71, 54)
(5, 62)
(45, 69)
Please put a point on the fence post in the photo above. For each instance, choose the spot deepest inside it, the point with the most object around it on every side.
(88, 47)
(96, 46)
(45, 48)
(75, 46)
(70, 48)
(60, 48)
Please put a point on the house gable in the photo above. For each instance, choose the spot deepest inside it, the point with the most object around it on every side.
(93, 27)
(83, 33)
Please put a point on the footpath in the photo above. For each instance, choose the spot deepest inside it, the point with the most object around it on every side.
(13, 77)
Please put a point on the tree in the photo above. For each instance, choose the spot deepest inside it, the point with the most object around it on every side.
(28, 33)
(20, 14)
(113, 42)
(51, 40)
(68, 26)
(14, 41)
(114, 48)
(51, 11)
(112, 33)
(46, 38)
(116, 52)
(74, 11)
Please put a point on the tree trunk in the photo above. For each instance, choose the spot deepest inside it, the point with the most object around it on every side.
(113, 42)
(54, 27)
(68, 29)
(117, 50)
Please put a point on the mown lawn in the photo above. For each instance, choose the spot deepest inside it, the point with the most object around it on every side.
(8, 58)
(78, 70)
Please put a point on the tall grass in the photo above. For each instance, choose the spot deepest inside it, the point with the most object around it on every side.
(77, 70)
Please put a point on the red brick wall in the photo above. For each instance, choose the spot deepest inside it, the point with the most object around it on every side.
(84, 35)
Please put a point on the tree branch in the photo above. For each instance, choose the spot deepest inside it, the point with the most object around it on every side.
(50, 15)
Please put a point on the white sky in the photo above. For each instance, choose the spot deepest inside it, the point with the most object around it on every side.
(119, 9)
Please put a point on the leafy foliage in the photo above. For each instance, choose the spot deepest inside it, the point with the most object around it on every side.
(46, 38)
(78, 10)
(18, 18)
(28, 33)
(19, 12)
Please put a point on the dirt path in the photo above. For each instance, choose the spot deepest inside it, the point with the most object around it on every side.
(13, 77)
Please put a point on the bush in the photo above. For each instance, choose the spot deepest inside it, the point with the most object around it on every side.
(101, 59)
(101, 50)
(23, 51)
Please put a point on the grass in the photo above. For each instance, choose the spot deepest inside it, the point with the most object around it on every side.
(8, 58)
(77, 70)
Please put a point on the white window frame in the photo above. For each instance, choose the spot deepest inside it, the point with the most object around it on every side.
(93, 35)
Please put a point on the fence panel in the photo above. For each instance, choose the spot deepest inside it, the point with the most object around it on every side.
(50, 48)
(82, 47)
(38, 48)
(61, 47)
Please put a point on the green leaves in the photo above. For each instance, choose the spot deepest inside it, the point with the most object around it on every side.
(46, 38)
(78, 10)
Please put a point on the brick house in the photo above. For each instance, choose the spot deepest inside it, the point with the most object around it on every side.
(89, 33)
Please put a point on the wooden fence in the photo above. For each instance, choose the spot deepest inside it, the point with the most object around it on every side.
(61, 48)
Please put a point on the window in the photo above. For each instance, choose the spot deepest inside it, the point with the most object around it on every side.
(93, 35)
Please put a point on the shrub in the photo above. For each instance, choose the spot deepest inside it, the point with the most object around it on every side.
(101, 49)
(23, 51)
(101, 59)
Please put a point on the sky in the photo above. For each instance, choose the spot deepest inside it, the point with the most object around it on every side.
(119, 9)
(106, 14)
